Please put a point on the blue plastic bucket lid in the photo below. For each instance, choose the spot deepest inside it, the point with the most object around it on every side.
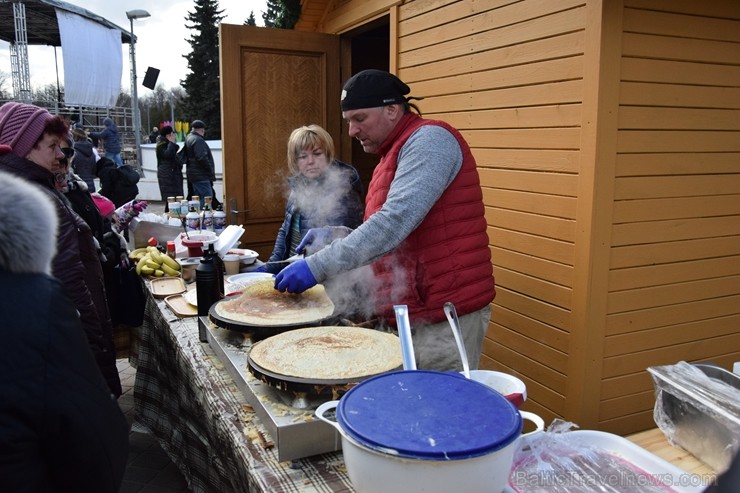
(428, 415)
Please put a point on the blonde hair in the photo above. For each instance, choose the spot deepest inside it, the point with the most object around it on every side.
(308, 137)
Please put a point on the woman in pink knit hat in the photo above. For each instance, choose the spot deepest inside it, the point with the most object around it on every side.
(30, 140)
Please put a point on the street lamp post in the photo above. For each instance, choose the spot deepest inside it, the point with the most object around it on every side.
(135, 14)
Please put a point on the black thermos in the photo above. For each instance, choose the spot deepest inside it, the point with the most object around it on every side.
(209, 286)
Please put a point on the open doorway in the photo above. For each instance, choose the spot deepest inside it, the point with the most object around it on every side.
(369, 47)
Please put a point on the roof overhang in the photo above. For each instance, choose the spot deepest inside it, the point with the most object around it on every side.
(41, 21)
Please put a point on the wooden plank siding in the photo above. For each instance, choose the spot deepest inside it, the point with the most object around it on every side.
(607, 137)
(674, 281)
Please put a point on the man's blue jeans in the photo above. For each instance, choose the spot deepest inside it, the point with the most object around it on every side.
(202, 189)
(116, 158)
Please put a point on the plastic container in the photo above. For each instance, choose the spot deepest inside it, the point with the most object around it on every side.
(697, 406)
(173, 207)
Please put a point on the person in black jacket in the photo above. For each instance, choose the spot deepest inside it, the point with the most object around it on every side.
(200, 169)
(60, 428)
(124, 296)
(118, 183)
(169, 170)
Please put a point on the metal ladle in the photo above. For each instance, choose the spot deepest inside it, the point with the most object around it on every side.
(404, 333)
(451, 314)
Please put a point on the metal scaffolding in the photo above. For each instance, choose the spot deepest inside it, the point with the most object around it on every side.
(19, 55)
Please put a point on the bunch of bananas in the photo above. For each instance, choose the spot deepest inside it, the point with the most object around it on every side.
(152, 262)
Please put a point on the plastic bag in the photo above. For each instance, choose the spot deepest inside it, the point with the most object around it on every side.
(558, 461)
(699, 412)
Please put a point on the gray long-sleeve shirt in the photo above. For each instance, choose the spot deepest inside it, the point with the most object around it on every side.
(428, 162)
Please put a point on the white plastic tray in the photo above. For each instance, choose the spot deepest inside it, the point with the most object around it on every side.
(677, 479)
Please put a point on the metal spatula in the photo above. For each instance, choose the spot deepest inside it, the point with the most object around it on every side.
(289, 260)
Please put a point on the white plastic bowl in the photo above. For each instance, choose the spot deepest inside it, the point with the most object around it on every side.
(505, 384)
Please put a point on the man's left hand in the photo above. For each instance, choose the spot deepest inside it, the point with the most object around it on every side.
(295, 278)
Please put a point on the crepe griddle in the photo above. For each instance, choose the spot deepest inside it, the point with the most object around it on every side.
(313, 387)
(258, 331)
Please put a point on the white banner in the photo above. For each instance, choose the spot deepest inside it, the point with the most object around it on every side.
(93, 57)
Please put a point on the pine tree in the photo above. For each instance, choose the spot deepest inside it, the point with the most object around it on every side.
(251, 21)
(201, 84)
(282, 14)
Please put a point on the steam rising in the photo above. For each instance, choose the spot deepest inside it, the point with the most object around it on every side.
(321, 201)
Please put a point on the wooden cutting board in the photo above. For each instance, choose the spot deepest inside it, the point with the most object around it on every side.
(180, 307)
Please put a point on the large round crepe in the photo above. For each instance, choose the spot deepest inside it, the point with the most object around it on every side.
(328, 353)
(263, 305)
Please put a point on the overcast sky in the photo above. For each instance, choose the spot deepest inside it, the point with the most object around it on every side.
(161, 39)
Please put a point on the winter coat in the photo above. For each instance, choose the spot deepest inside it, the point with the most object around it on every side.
(200, 165)
(77, 266)
(84, 162)
(118, 183)
(447, 257)
(60, 428)
(331, 202)
(169, 170)
(124, 295)
(110, 137)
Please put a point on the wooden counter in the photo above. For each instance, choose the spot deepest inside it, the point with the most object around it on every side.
(654, 441)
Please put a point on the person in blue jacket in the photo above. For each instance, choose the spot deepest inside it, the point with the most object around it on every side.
(111, 141)
(322, 192)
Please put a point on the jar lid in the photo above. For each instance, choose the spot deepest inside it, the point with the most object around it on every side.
(430, 415)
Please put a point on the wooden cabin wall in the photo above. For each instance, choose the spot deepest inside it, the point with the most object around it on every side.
(674, 275)
(607, 141)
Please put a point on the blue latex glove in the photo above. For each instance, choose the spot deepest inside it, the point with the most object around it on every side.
(261, 268)
(295, 278)
(316, 238)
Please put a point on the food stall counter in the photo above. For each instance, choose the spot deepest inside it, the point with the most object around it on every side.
(189, 401)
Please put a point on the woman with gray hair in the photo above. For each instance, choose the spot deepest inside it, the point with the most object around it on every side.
(60, 427)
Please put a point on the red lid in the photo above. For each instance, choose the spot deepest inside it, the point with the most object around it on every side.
(171, 246)
(152, 241)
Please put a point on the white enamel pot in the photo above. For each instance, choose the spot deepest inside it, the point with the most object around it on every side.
(426, 431)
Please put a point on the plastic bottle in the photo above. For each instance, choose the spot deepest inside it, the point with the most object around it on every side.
(219, 220)
(171, 249)
(206, 222)
(192, 220)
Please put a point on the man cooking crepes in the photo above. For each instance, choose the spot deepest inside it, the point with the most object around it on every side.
(424, 231)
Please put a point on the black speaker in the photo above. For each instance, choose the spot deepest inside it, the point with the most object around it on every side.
(150, 78)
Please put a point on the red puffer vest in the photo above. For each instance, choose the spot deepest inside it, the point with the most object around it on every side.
(447, 257)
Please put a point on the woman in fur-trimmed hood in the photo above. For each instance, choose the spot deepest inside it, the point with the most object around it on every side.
(60, 429)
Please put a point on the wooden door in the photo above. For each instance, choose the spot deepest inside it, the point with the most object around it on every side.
(272, 81)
